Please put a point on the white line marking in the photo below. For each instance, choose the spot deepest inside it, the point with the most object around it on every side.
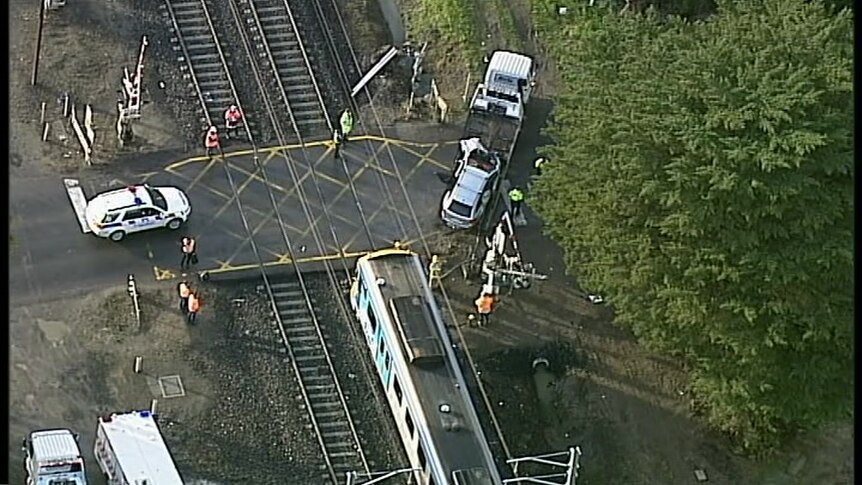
(79, 202)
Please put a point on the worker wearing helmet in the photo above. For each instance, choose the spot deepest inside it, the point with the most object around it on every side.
(212, 142)
(346, 122)
(232, 120)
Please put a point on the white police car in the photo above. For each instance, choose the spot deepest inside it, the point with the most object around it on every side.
(137, 208)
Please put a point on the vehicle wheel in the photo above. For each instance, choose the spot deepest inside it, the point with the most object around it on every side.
(175, 224)
(117, 236)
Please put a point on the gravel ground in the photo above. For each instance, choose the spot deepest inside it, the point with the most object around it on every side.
(256, 430)
(373, 420)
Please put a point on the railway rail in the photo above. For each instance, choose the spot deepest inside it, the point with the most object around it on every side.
(277, 38)
(293, 311)
(204, 59)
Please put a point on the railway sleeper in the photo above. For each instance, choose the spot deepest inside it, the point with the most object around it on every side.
(293, 293)
(323, 397)
(278, 20)
(338, 444)
(332, 424)
(197, 38)
(193, 27)
(299, 329)
(308, 338)
(342, 454)
(287, 285)
(203, 57)
(274, 37)
(309, 348)
(308, 357)
(326, 404)
(210, 46)
(287, 71)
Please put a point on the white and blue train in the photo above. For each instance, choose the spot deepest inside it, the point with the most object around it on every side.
(423, 383)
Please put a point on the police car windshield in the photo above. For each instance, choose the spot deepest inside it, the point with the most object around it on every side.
(158, 199)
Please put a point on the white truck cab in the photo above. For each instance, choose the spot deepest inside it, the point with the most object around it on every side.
(52, 457)
(508, 83)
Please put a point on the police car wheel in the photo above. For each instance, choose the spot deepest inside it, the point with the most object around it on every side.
(175, 224)
(117, 236)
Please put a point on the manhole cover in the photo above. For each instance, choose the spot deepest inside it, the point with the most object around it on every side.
(171, 386)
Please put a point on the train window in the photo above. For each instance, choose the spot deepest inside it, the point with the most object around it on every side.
(421, 454)
(372, 318)
(380, 346)
(397, 388)
(387, 361)
(409, 421)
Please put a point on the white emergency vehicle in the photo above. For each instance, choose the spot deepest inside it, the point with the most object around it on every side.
(52, 457)
(136, 208)
(130, 450)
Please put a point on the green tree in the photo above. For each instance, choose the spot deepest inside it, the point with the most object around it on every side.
(702, 180)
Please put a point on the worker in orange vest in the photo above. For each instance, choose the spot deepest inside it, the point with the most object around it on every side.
(212, 142)
(190, 255)
(485, 305)
(232, 120)
(194, 307)
(184, 289)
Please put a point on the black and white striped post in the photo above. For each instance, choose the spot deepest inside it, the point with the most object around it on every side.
(133, 292)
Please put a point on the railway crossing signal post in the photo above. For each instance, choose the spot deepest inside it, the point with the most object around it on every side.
(130, 107)
(500, 268)
(569, 475)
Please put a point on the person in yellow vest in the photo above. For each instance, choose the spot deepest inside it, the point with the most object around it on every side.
(516, 197)
(484, 306)
(184, 290)
(346, 122)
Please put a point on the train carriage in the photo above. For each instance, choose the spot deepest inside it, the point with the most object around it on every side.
(417, 366)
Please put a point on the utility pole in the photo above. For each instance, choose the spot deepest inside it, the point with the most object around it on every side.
(43, 5)
(38, 42)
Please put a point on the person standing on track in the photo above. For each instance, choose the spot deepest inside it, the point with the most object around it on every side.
(212, 141)
(232, 120)
(346, 122)
(336, 143)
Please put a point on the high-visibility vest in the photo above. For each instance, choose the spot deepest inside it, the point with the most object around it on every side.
(485, 304)
(232, 116)
(189, 245)
(185, 291)
(346, 122)
(515, 195)
(194, 303)
(212, 140)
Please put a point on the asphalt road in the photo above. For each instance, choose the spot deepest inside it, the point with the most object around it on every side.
(51, 258)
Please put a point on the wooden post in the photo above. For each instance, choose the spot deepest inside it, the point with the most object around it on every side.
(42, 116)
(38, 43)
(45, 132)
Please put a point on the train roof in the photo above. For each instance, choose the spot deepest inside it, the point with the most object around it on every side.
(448, 411)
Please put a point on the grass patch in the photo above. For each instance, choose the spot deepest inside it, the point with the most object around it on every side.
(508, 28)
(450, 24)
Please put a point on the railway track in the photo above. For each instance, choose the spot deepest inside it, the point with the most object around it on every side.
(204, 60)
(317, 376)
(210, 77)
(276, 38)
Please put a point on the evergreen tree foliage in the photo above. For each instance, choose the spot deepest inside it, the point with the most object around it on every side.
(702, 181)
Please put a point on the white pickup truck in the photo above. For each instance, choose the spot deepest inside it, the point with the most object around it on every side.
(53, 457)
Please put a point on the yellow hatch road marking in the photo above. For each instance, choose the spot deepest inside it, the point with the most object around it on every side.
(163, 274)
